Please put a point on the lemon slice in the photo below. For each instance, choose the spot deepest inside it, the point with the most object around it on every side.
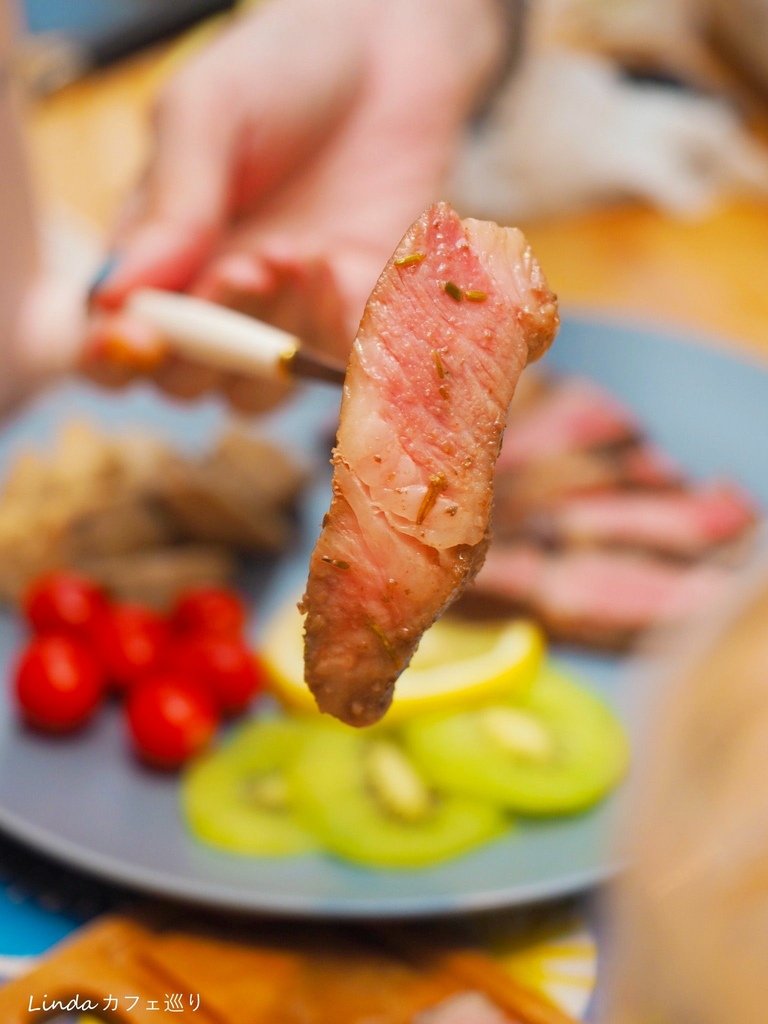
(457, 663)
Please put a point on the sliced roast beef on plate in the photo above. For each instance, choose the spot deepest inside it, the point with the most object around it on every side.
(596, 597)
(597, 532)
(572, 414)
(686, 523)
(541, 486)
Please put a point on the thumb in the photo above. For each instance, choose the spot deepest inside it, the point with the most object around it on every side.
(179, 211)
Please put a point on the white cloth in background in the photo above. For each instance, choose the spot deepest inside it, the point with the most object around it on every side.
(569, 132)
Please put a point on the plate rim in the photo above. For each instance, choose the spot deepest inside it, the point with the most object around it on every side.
(219, 897)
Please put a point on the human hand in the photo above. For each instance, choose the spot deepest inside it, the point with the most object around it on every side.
(289, 159)
(44, 337)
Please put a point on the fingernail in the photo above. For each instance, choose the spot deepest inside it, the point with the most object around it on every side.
(104, 272)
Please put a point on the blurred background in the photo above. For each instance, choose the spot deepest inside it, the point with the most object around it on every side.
(629, 140)
(656, 108)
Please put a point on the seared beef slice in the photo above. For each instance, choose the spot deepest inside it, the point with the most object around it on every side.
(457, 313)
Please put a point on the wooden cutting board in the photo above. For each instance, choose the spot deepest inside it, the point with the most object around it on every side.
(262, 974)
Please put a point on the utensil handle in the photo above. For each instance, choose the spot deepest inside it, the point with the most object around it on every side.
(213, 335)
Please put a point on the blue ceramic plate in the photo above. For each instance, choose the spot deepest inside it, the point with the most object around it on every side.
(85, 802)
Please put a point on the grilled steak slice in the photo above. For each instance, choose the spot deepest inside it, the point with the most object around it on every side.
(455, 316)
(574, 415)
(522, 496)
(681, 524)
(603, 598)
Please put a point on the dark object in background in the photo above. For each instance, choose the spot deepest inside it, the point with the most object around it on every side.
(658, 76)
(69, 38)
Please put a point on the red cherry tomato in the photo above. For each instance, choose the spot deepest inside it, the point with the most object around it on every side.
(227, 668)
(59, 683)
(63, 602)
(209, 610)
(130, 641)
(170, 719)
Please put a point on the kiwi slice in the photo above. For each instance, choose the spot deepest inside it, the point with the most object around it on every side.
(365, 801)
(238, 798)
(557, 750)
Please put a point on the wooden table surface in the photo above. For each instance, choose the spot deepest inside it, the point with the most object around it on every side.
(89, 142)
